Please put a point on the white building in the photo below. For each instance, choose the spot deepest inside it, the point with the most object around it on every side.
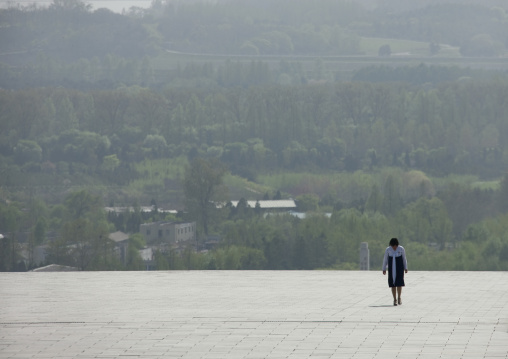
(276, 204)
(168, 232)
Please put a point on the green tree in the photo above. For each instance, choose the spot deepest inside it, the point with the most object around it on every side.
(83, 240)
(427, 221)
(204, 189)
(36, 220)
(391, 196)
(82, 203)
(65, 114)
(27, 151)
(110, 163)
(307, 202)
(375, 201)
(503, 194)
(77, 234)
(134, 260)
(10, 221)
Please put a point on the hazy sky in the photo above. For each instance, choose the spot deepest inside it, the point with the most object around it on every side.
(113, 5)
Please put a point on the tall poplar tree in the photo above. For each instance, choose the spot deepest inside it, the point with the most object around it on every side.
(203, 189)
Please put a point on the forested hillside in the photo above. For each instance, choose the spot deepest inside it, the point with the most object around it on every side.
(95, 111)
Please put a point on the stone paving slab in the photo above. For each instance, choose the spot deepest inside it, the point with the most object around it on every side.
(252, 314)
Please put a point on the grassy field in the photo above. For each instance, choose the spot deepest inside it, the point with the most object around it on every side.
(404, 53)
(161, 179)
(370, 46)
(347, 186)
(239, 187)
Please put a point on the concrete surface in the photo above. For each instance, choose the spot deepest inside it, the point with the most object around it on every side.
(252, 314)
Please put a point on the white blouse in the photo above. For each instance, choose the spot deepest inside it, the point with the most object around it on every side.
(399, 252)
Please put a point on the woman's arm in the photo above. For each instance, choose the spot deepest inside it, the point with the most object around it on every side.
(385, 261)
(404, 260)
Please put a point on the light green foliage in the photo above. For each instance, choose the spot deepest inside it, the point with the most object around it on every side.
(77, 146)
(416, 184)
(156, 143)
(427, 222)
(65, 114)
(153, 172)
(27, 151)
(110, 163)
(159, 178)
(352, 186)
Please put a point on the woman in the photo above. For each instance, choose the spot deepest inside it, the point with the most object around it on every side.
(395, 259)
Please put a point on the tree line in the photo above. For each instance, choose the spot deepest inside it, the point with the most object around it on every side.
(456, 127)
(458, 229)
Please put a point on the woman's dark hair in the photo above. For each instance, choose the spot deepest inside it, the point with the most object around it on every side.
(394, 242)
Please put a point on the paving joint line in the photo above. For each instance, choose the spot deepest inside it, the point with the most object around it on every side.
(211, 320)
(37, 323)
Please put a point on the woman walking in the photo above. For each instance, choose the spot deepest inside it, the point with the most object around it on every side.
(395, 259)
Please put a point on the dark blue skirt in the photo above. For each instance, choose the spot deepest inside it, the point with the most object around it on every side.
(399, 280)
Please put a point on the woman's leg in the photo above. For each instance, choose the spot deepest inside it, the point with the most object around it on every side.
(399, 291)
(394, 292)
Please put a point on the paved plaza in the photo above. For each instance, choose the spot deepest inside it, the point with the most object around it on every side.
(252, 314)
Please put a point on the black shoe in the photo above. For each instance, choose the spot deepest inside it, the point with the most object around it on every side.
(395, 302)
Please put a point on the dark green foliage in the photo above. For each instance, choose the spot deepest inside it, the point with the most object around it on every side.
(69, 33)
(204, 190)
(83, 236)
(502, 199)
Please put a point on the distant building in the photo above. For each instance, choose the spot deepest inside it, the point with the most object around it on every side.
(276, 204)
(146, 255)
(144, 209)
(33, 256)
(211, 242)
(121, 241)
(168, 232)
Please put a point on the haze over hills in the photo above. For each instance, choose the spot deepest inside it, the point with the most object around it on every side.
(382, 122)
